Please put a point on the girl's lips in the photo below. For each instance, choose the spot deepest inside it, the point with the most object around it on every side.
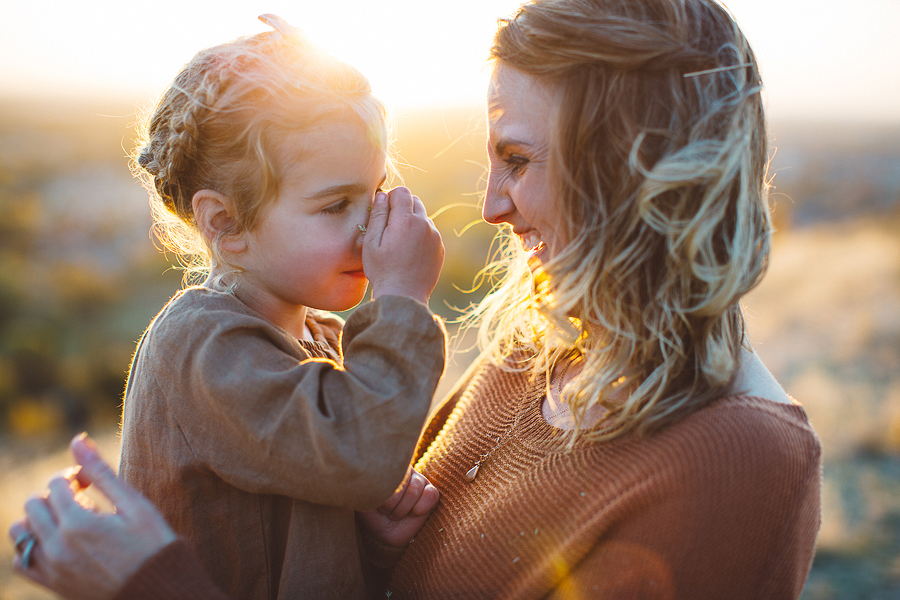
(359, 273)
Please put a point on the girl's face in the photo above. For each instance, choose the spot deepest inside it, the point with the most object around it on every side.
(518, 190)
(306, 249)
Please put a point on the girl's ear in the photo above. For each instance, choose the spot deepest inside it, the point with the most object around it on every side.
(214, 215)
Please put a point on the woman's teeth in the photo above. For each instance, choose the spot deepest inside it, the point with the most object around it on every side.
(532, 241)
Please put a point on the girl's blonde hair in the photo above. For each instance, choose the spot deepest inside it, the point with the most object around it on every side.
(658, 166)
(220, 123)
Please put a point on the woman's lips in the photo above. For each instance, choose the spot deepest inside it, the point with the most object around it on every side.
(359, 273)
(532, 241)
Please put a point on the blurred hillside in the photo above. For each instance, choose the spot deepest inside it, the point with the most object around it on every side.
(80, 279)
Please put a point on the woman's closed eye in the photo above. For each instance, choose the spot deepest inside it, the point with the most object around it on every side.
(516, 163)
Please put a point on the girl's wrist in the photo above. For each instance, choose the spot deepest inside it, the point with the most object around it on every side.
(378, 553)
(389, 290)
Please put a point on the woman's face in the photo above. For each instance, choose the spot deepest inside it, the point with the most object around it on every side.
(519, 191)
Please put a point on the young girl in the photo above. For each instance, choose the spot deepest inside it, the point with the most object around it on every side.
(253, 422)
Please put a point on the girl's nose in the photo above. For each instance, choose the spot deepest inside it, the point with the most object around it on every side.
(361, 225)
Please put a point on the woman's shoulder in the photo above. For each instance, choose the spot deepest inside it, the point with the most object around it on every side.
(745, 416)
(757, 437)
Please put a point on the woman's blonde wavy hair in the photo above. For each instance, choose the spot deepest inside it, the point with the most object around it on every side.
(658, 165)
(219, 126)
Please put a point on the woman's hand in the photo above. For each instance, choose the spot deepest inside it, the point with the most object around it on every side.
(81, 554)
(393, 524)
(402, 249)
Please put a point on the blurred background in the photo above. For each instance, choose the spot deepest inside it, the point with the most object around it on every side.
(80, 277)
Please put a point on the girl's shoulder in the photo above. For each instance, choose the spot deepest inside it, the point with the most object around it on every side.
(198, 313)
(203, 304)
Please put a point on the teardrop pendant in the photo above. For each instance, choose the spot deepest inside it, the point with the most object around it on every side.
(472, 473)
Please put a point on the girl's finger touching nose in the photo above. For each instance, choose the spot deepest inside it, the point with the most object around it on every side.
(401, 200)
(419, 207)
(378, 219)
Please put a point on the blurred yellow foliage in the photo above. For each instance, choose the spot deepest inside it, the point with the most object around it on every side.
(32, 416)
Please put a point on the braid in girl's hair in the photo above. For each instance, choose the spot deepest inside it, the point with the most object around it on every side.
(218, 124)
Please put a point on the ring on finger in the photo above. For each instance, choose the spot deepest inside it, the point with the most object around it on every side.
(26, 553)
(23, 537)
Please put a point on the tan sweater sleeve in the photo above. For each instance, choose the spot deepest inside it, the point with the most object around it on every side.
(266, 422)
(738, 520)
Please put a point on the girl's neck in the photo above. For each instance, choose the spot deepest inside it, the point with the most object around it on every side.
(290, 317)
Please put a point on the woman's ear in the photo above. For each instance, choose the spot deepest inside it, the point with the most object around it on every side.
(214, 215)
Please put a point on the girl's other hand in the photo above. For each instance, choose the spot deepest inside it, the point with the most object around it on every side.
(399, 519)
(402, 249)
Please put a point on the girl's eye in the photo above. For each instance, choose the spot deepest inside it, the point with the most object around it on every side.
(337, 208)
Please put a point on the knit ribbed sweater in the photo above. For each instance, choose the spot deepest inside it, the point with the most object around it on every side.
(723, 504)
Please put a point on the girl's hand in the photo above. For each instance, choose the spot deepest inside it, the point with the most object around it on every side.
(402, 249)
(399, 519)
(82, 554)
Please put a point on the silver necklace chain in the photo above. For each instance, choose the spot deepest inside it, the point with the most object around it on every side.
(472, 473)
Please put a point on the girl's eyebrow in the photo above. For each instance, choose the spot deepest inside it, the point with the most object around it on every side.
(344, 189)
(339, 190)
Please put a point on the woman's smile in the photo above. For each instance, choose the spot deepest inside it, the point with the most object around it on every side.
(532, 241)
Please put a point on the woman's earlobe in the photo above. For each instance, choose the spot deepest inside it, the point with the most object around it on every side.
(214, 216)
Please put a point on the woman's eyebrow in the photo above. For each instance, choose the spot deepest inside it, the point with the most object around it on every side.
(503, 143)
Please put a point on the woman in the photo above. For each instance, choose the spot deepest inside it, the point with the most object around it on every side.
(618, 436)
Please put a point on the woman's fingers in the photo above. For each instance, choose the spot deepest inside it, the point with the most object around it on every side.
(40, 518)
(95, 471)
(17, 530)
(61, 501)
(35, 570)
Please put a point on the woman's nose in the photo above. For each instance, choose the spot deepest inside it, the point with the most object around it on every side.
(498, 206)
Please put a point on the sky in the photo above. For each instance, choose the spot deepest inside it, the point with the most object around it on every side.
(820, 59)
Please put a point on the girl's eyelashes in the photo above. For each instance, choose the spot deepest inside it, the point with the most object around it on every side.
(337, 208)
(343, 204)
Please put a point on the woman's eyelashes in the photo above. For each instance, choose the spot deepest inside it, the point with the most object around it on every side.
(516, 163)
